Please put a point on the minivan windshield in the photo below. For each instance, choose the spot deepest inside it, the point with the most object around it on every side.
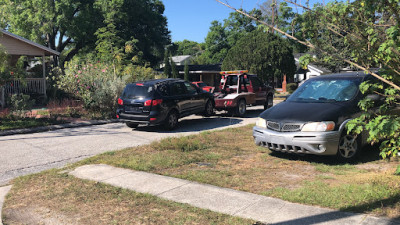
(133, 91)
(326, 90)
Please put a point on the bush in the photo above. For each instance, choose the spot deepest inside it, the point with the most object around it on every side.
(291, 87)
(95, 84)
(20, 103)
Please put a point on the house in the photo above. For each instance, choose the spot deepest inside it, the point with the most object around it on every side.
(17, 46)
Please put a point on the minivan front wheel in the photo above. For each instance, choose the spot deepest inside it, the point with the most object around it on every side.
(349, 147)
(172, 120)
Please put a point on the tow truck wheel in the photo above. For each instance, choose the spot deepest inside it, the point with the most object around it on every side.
(241, 108)
(269, 102)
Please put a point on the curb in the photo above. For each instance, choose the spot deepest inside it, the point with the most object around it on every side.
(56, 127)
(3, 192)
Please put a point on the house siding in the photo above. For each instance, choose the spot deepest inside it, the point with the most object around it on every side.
(16, 47)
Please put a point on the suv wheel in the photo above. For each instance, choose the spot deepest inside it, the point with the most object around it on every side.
(172, 120)
(269, 102)
(241, 108)
(349, 147)
(209, 110)
(131, 125)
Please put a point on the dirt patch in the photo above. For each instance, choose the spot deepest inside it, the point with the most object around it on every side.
(36, 215)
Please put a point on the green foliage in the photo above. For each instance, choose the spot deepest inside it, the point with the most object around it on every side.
(264, 54)
(187, 47)
(186, 76)
(291, 87)
(7, 71)
(167, 64)
(305, 60)
(20, 103)
(75, 26)
(94, 83)
(175, 73)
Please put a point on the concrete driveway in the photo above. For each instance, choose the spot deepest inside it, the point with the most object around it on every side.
(31, 153)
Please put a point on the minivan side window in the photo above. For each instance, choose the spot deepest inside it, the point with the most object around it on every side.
(177, 88)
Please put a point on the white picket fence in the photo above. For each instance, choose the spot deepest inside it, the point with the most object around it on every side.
(28, 85)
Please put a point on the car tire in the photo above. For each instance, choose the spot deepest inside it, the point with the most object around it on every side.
(349, 147)
(241, 108)
(209, 109)
(269, 102)
(131, 125)
(171, 121)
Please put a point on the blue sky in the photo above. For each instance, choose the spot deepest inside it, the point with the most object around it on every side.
(191, 19)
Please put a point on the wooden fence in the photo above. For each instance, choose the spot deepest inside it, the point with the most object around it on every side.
(26, 86)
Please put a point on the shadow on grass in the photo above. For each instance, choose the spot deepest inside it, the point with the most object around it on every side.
(368, 154)
(368, 207)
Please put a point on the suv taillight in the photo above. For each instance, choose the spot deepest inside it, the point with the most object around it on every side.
(120, 101)
(153, 102)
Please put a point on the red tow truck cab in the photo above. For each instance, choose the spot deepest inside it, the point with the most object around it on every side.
(239, 89)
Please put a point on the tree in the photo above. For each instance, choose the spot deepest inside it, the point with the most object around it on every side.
(187, 47)
(262, 53)
(167, 64)
(186, 76)
(69, 26)
(222, 37)
(175, 72)
(216, 45)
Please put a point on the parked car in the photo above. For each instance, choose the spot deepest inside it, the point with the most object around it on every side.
(238, 89)
(313, 119)
(204, 86)
(162, 101)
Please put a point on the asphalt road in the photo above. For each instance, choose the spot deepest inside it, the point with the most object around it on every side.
(31, 153)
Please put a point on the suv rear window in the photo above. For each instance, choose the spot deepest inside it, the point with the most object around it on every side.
(134, 91)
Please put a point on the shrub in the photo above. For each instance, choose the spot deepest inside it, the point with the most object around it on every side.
(291, 87)
(96, 84)
(20, 103)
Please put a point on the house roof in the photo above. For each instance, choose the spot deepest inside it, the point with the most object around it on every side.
(180, 58)
(215, 68)
(47, 51)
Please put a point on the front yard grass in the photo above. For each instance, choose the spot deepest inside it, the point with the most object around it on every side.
(53, 197)
(10, 124)
(229, 158)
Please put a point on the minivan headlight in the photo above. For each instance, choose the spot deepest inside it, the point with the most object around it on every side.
(319, 126)
(261, 123)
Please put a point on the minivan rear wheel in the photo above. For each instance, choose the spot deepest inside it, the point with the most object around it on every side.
(349, 147)
(131, 125)
(172, 120)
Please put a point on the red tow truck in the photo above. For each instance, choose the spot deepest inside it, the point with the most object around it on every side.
(237, 89)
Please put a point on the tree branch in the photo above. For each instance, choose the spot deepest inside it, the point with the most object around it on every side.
(308, 44)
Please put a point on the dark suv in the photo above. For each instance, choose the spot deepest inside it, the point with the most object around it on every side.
(162, 101)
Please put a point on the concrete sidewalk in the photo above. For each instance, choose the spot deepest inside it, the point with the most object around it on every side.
(3, 192)
(223, 200)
